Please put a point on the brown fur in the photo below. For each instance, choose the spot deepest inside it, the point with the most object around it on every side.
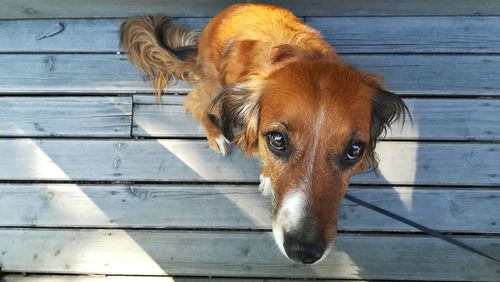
(260, 69)
(150, 43)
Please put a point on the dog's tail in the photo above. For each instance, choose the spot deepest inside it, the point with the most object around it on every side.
(159, 49)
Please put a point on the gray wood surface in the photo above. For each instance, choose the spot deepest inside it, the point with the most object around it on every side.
(185, 160)
(73, 74)
(119, 226)
(192, 8)
(164, 121)
(346, 34)
(469, 210)
(249, 254)
(65, 116)
(155, 160)
(150, 99)
(391, 7)
(433, 119)
(76, 35)
(404, 74)
(410, 34)
(105, 278)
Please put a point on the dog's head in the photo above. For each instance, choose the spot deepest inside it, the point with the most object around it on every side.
(313, 124)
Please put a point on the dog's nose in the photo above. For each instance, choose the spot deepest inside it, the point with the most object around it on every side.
(306, 252)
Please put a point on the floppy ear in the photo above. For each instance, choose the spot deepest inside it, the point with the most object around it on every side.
(387, 108)
(236, 110)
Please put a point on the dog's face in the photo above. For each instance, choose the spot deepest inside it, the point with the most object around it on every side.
(313, 125)
(314, 130)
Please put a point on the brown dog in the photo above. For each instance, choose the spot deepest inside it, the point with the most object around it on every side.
(272, 85)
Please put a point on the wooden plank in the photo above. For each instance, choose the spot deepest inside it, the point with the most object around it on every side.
(92, 73)
(96, 278)
(346, 34)
(469, 210)
(65, 116)
(186, 160)
(121, 160)
(390, 7)
(149, 99)
(433, 119)
(106, 278)
(240, 254)
(410, 34)
(73, 74)
(108, 8)
(450, 119)
(433, 74)
(69, 35)
(164, 121)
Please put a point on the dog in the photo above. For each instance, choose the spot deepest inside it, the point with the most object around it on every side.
(273, 86)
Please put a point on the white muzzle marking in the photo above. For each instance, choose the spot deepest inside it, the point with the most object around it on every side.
(289, 215)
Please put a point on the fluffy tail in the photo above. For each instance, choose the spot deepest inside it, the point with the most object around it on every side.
(160, 50)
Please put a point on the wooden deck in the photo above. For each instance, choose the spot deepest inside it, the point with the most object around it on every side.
(97, 183)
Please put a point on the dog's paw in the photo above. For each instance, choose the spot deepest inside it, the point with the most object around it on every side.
(223, 144)
(265, 186)
(220, 144)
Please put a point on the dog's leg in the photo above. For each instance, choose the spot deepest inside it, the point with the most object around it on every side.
(197, 103)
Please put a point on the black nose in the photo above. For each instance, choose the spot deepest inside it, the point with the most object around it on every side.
(303, 251)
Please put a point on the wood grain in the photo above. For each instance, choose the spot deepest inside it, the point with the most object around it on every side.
(185, 160)
(346, 34)
(433, 119)
(65, 116)
(91, 74)
(108, 8)
(410, 34)
(73, 74)
(77, 35)
(468, 210)
(104, 278)
(250, 254)
(121, 160)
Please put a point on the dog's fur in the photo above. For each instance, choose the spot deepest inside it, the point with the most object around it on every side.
(261, 71)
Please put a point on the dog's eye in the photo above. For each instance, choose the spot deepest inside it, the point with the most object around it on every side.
(354, 152)
(276, 141)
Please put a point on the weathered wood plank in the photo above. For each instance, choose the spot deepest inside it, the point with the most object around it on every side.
(433, 119)
(164, 121)
(235, 207)
(69, 35)
(149, 99)
(108, 8)
(185, 160)
(405, 74)
(65, 116)
(96, 278)
(390, 7)
(73, 74)
(156, 160)
(240, 254)
(346, 34)
(410, 34)
(433, 74)
(105, 278)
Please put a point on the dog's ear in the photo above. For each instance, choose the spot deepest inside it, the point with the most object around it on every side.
(387, 108)
(236, 110)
